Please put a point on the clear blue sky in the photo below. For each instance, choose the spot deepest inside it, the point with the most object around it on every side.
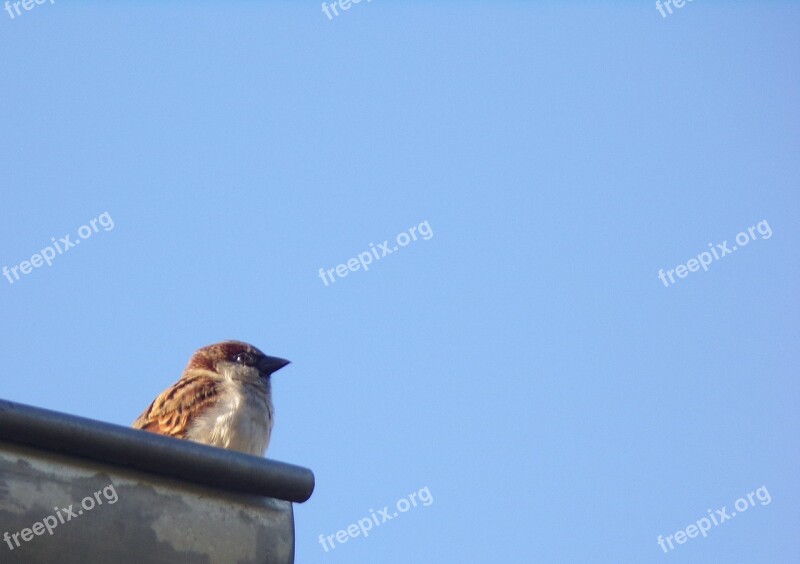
(525, 362)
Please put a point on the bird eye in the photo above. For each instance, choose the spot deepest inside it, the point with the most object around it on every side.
(244, 358)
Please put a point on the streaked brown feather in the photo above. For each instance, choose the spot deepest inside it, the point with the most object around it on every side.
(175, 409)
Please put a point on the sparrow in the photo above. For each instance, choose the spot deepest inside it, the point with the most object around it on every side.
(222, 399)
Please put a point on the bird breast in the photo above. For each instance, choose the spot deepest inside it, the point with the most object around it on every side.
(240, 420)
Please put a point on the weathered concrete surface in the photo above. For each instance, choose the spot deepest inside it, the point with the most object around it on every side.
(153, 520)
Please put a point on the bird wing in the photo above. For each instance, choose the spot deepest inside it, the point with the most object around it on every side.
(175, 409)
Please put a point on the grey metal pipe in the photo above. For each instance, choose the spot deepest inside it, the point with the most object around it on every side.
(151, 453)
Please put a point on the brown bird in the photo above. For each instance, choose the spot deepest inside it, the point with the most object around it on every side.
(223, 399)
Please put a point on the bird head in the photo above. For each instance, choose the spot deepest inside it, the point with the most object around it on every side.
(236, 359)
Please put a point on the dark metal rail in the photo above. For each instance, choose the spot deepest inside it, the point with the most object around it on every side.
(154, 454)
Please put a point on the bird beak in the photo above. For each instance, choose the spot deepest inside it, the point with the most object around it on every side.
(269, 364)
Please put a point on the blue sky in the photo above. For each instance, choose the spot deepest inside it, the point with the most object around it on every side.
(524, 363)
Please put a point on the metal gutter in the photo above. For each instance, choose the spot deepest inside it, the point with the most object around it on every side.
(153, 454)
